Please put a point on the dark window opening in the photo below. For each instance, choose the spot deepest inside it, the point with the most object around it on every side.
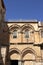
(26, 34)
(13, 62)
(15, 34)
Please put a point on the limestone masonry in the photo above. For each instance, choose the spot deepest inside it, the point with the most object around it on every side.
(21, 41)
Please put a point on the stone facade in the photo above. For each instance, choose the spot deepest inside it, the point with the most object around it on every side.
(20, 41)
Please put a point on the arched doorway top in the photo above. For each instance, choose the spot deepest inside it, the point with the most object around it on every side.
(14, 54)
(14, 50)
(28, 50)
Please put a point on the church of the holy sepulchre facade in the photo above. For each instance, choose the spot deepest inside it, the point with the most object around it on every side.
(21, 41)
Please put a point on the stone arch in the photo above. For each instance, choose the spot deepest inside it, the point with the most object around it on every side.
(27, 26)
(41, 33)
(28, 50)
(14, 26)
(14, 51)
(41, 29)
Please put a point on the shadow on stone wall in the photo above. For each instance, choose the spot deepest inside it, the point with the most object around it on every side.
(4, 38)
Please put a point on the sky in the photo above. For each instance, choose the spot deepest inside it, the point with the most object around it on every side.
(24, 9)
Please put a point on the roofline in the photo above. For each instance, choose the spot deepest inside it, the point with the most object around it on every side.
(21, 21)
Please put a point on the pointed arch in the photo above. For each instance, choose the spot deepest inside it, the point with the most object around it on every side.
(14, 26)
(41, 29)
(41, 32)
(28, 50)
(14, 50)
(14, 53)
(27, 26)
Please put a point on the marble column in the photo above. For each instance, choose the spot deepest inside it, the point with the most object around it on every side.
(3, 53)
(19, 62)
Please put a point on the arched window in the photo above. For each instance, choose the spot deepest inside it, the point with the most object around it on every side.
(42, 33)
(15, 34)
(26, 33)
